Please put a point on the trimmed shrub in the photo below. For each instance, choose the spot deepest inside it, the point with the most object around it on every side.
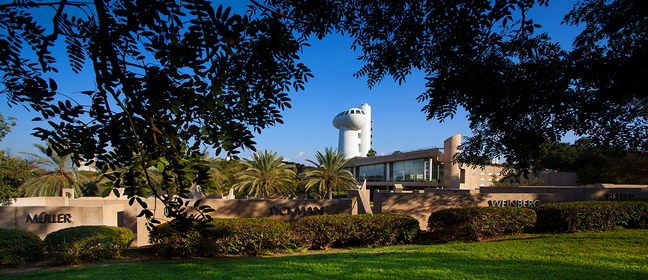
(251, 235)
(19, 246)
(637, 212)
(88, 243)
(591, 216)
(222, 237)
(476, 223)
(322, 232)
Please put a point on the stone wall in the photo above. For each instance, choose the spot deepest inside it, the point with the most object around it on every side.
(421, 205)
(591, 192)
(42, 220)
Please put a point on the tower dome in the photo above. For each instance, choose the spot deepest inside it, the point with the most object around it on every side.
(354, 118)
(355, 131)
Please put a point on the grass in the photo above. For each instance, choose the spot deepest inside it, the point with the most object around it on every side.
(621, 254)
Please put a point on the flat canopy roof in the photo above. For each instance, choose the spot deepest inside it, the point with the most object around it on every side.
(395, 157)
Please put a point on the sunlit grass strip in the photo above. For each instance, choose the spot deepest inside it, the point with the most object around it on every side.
(611, 255)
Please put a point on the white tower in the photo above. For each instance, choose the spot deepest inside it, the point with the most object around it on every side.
(355, 131)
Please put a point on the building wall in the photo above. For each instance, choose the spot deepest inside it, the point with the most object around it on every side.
(481, 176)
(452, 172)
(118, 212)
(18, 217)
(421, 205)
(574, 193)
(280, 209)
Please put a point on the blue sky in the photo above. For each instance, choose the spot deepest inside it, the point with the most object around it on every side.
(399, 123)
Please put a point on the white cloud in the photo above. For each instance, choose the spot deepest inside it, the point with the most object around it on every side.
(300, 154)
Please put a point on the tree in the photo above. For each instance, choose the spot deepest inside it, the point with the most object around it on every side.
(171, 78)
(14, 172)
(54, 173)
(515, 180)
(229, 168)
(265, 173)
(330, 174)
(595, 165)
(521, 91)
(5, 125)
(371, 153)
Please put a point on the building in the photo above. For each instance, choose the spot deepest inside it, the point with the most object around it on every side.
(429, 168)
(355, 131)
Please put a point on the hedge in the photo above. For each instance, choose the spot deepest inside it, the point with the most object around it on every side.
(88, 243)
(591, 216)
(476, 223)
(249, 236)
(19, 246)
(347, 230)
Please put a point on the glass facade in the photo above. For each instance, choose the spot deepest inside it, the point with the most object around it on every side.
(409, 170)
(401, 171)
(373, 173)
(437, 172)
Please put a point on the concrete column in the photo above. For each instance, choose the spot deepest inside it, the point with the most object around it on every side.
(365, 132)
(452, 173)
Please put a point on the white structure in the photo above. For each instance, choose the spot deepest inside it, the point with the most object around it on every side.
(355, 131)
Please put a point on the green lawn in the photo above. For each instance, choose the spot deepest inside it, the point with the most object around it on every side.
(620, 254)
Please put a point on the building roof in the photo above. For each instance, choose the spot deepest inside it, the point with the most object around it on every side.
(396, 157)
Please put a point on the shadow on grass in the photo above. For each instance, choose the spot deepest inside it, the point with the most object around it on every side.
(546, 257)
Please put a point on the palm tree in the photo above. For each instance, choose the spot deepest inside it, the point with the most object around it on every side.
(53, 174)
(266, 173)
(330, 174)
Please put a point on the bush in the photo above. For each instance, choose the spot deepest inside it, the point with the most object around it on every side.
(475, 223)
(637, 212)
(591, 216)
(19, 246)
(221, 237)
(88, 243)
(345, 230)
(251, 235)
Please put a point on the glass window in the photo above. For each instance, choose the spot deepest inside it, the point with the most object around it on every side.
(409, 170)
(373, 173)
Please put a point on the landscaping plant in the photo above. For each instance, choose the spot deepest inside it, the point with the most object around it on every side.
(19, 246)
(88, 243)
(475, 223)
(591, 216)
(321, 232)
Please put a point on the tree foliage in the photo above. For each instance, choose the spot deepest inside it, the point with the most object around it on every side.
(595, 165)
(5, 125)
(53, 173)
(171, 77)
(330, 174)
(521, 90)
(174, 76)
(266, 174)
(14, 172)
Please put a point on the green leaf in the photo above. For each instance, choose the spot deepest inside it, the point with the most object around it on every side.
(106, 192)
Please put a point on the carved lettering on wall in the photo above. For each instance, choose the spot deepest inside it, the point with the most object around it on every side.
(43, 218)
(286, 210)
(514, 203)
